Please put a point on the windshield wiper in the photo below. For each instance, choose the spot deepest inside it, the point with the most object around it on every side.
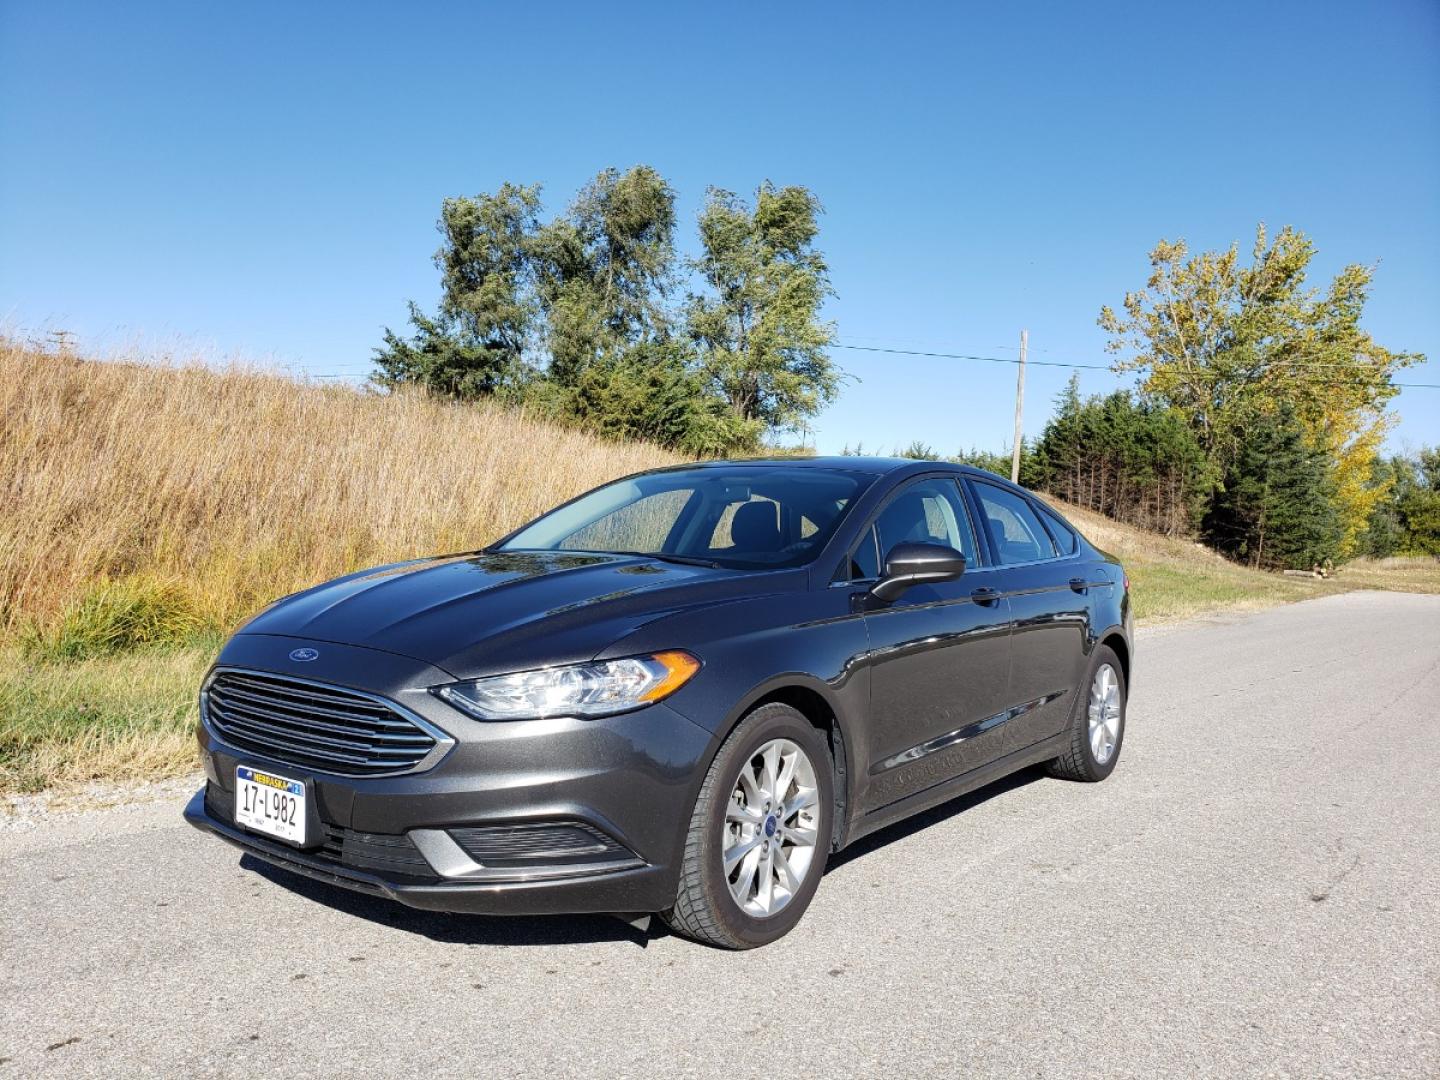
(662, 556)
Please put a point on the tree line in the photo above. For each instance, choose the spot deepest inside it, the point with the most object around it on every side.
(1256, 422)
(589, 317)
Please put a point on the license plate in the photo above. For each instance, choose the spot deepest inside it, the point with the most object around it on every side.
(270, 804)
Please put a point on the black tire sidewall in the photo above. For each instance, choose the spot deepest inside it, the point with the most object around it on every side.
(774, 721)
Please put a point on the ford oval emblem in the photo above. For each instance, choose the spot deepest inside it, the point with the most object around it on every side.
(304, 656)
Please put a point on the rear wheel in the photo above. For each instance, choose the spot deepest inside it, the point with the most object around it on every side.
(760, 833)
(1097, 722)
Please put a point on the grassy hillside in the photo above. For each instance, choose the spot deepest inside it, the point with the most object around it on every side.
(220, 490)
(1174, 579)
(146, 509)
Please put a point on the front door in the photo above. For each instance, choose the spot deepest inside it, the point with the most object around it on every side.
(940, 655)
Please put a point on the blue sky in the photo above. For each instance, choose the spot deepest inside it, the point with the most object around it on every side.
(263, 179)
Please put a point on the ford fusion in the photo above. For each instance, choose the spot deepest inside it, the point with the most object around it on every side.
(679, 693)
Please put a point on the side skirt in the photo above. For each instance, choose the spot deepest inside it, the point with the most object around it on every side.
(955, 787)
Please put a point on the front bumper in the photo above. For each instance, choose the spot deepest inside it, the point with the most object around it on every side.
(630, 780)
(640, 888)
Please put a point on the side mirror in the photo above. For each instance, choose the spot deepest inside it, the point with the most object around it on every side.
(917, 564)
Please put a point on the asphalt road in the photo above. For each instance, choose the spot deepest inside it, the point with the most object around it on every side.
(1252, 893)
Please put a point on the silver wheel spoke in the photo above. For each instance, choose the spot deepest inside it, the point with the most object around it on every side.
(746, 881)
(770, 770)
(804, 799)
(739, 851)
(765, 895)
(786, 777)
(788, 877)
(748, 788)
(801, 837)
(743, 814)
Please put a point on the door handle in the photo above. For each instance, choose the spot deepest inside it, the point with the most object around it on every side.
(985, 595)
(1079, 584)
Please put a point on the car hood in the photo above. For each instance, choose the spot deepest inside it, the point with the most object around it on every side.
(485, 612)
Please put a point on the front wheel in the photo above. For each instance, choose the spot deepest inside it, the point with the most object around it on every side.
(760, 833)
(1097, 722)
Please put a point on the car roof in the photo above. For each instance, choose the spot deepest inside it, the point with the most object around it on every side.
(872, 465)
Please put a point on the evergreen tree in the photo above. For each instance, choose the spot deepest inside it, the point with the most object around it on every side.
(1276, 508)
(1135, 461)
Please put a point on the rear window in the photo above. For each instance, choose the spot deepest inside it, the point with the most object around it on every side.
(1062, 534)
(1015, 531)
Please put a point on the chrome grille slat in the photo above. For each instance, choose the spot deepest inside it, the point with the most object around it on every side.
(271, 742)
(321, 728)
(294, 751)
(222, 700)
(274, 702)
(307, 693)
(300, 737)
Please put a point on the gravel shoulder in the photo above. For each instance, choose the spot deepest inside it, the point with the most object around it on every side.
(1251, 894)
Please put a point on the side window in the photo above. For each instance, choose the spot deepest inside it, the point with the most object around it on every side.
(927, 512)
(1015, 531)
(865, 560)
(1060, 532)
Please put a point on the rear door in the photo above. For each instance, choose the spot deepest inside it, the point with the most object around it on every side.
(1048, 607)
(939, 657)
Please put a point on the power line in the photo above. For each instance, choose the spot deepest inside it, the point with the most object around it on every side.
(989, 360)
(1086, 367)
(965, 356)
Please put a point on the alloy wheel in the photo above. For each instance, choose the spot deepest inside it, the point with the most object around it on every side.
(1104, 713)
(771, 828)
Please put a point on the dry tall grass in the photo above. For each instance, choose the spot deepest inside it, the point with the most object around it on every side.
(239, 485)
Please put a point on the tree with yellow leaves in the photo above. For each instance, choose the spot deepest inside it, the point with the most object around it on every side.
(1230, 344)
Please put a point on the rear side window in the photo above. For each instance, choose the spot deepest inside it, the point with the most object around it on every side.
(1015, 531)
(1060, 532)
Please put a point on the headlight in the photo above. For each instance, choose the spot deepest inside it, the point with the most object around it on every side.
(599, 688)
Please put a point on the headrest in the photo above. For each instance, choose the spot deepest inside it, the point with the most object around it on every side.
(753, 528)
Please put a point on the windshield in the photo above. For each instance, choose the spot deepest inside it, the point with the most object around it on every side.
(750, 517)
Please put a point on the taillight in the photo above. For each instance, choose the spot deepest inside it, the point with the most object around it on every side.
(1127, 582)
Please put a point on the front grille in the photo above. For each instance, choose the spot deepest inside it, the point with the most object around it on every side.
(558, 841)
(389, 856)
(323, 728)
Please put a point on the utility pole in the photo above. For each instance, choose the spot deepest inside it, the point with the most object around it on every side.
(1019, 408)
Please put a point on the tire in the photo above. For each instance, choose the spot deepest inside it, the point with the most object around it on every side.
(706, 907)
(1080, 760)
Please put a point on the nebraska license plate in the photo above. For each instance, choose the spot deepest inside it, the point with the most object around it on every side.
(270, 804)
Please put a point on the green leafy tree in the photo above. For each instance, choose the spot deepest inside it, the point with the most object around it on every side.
(604, 270)
(476, 343)
(918, 451)
(1227, 344)
(1406, 521)
(762, 343)
(999, 463)
(653, 393)
(573, 319)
